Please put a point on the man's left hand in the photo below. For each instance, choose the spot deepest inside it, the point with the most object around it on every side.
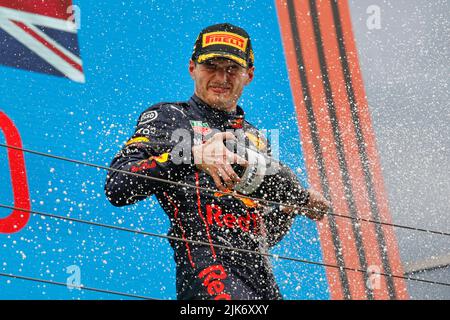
(317, 205)
(315, 209)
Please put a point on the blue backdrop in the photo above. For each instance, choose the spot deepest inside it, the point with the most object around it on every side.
(134, 54)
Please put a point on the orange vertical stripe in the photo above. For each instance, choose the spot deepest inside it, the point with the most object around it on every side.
(336, 291)
(350, 144)
(369, 135)
(344, 116)
(338, 198)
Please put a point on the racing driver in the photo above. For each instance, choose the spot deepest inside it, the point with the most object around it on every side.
(207, 143)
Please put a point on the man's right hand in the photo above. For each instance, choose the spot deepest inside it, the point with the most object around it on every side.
(215, 159)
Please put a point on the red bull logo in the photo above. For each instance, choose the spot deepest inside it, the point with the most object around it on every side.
(249, 203)
(150, 163)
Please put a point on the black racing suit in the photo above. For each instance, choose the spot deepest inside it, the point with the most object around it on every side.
(155, 149)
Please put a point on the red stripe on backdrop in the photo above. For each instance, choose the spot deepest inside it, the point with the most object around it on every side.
(329, 256)
(328, 146)
(369, 135)
(349, 141)
(17, 219)
(49, 46)
(51, 8)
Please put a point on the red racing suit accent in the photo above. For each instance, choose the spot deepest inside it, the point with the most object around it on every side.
(203, 272)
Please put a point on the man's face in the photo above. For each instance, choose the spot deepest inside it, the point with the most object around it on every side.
(220, 82)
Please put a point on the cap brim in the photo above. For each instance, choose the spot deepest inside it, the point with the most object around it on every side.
(211, 55)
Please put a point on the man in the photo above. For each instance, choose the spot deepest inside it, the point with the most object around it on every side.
(222, 64)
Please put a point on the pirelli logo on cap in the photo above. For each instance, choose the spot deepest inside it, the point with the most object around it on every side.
(225, 38)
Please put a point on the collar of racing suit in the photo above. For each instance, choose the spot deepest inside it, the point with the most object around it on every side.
(219, 118)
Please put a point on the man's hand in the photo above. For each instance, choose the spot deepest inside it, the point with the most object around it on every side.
(215, 159)
(316, 207)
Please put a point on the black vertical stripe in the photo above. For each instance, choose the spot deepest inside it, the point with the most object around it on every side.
(318, 152)
(362, 150)
(340, 152)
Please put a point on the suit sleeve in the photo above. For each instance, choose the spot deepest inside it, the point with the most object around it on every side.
(160, 131)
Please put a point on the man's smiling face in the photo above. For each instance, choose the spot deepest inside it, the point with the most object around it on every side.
(219, 82)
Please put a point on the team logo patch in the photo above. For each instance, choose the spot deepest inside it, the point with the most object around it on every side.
(257, 141)
(161, 158)
(225, 38)
(136, 140)
(200, 127)
(212, 278)
(146, 131)
(148, 117)
(237, 123)
(150, 163)
(249, 203)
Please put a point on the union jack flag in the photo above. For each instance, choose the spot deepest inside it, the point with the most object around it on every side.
(40, 36)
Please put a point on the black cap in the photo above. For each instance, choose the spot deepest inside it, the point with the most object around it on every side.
(224, 41)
